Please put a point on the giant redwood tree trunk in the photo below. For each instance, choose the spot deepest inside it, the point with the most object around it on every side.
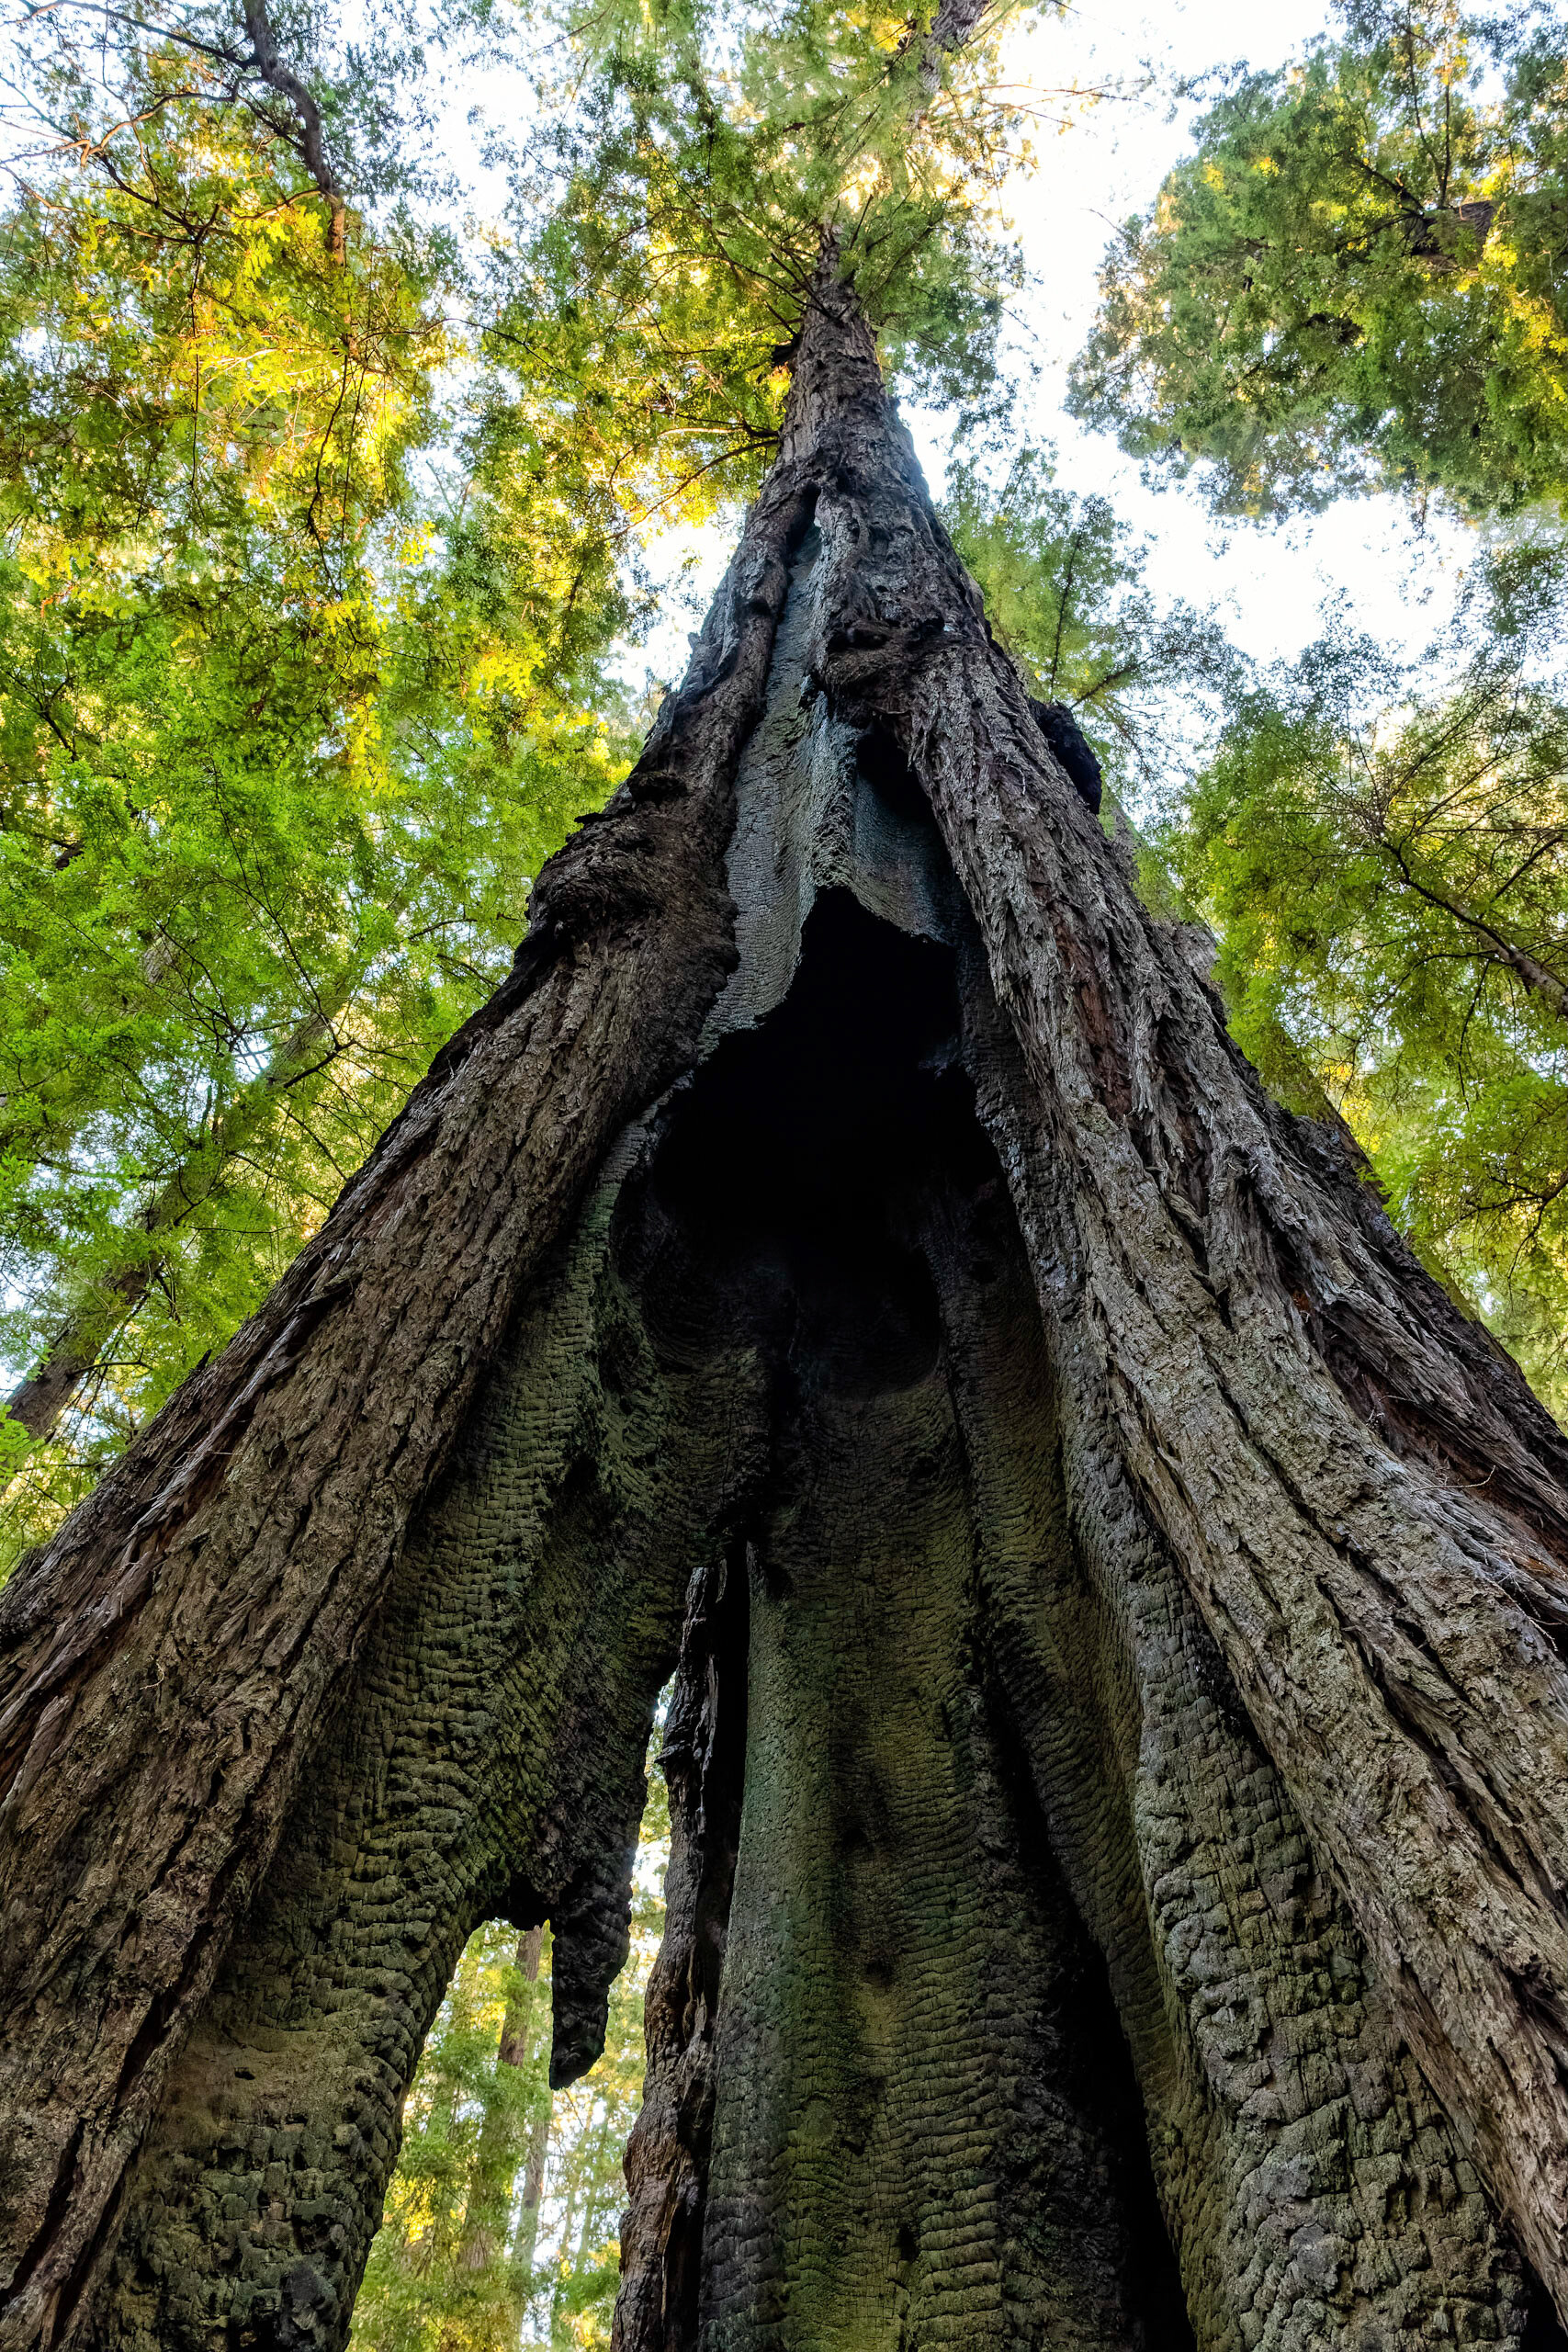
(1116, 1602)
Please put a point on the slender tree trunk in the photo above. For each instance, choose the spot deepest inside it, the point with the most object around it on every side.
(494, 2175)
(1119, 1802)
(569, 2221)
(54, 1384)
(533, 2193)
(592, 2165)
(528, 2237)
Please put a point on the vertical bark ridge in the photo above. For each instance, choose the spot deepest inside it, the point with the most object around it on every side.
(1368, 1504)
(1304, 2166)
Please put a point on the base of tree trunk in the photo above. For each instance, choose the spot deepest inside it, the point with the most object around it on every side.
(1002, 2000)
(1119, 1759)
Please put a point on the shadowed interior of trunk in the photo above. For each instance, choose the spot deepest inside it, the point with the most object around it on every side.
(1002, 1999)
(917, 2106)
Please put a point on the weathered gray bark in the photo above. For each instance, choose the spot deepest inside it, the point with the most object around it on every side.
(1001, 1828)
(1118, 1772)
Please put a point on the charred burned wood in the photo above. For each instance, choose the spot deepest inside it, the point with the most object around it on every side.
(1118, 1769)
(1074, 754)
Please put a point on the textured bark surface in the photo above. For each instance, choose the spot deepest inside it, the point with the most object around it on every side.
(1018, 1994)
(1368, 1506)
(1118, 1759)
(490, 1763)
(167, 1665)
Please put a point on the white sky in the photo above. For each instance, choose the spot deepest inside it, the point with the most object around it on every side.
(1089, 178)
(1267, 584)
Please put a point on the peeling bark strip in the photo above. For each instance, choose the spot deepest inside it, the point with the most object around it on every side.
(1102, 1529)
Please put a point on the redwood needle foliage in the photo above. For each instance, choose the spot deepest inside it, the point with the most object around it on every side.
(298, 688)
(1356, 281)
(1358, 277)
(315, 538)
(1065, 591)
(1382, 848)
(670, 220)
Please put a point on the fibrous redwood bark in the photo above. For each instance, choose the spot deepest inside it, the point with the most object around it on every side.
(1367, 1503)
(1117, 1758)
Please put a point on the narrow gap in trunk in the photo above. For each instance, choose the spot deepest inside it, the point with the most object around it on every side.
(667, 2156)
(1544, 2332)
(502, 2215)
(1101, 2061)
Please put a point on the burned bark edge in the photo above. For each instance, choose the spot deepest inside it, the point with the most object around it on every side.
(168, 1658)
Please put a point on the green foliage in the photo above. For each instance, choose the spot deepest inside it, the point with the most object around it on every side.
(303, 597)
(1065, 591)
(442, 2271)
(670, 221)
(503, 2218)
(284, 727)
(1383, 850)
(1358, 278)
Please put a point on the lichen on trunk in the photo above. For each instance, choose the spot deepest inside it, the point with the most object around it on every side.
(1117, 1757)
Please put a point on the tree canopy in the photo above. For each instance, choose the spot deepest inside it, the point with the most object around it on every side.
(1065, 592)
(291, 710)
(1382, 848)
(322, 522)
(1357, 280)
(670, 213)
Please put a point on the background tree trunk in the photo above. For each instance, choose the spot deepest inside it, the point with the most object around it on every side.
(1123, 1589)
(58, 1379)
(502, 2144)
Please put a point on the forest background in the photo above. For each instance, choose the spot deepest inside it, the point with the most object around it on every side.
(377, 397)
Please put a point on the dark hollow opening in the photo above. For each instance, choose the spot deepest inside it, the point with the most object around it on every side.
(809, 1200)
(1544, 2332)
(1100, 2073)
(781, 1200)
